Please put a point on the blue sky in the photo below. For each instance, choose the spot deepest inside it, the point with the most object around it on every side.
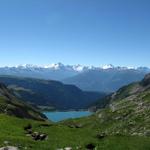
(90, 32)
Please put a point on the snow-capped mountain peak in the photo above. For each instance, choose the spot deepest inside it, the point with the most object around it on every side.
(78, 68)
(74, 68)
(110, 66)
(54, 66)
(59, 71)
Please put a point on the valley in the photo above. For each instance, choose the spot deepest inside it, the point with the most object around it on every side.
(74, 75)
(50, 93)
(122, 123)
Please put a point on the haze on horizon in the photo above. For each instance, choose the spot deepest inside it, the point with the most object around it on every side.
(75, 32)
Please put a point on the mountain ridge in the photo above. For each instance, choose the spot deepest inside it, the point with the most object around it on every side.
(78, 67)
(11, 105)
(107, 78)
(50, 93)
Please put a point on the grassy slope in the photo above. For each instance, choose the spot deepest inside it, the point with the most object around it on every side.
(62, 135)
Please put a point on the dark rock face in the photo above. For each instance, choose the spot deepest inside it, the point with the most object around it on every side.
(90, 146)
(2, 86)
(39, 136)
(146, 80)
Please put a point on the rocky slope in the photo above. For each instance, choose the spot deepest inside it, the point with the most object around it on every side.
(127, 111)
(11, 105)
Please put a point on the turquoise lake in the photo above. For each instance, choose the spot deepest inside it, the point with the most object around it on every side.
(59, 116)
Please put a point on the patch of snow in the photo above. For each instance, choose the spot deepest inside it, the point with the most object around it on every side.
(110, 66)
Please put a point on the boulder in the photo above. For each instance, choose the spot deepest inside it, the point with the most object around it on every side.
(38, 136)
(43, 137)
(68, 148)
(9, 148)
(6, 142)
(29, 131)
(101, 135)
(147, 133)
(90, 146)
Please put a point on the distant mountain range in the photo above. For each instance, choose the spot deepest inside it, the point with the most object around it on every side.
(50, 93)
(52, 72)
(106, 78)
